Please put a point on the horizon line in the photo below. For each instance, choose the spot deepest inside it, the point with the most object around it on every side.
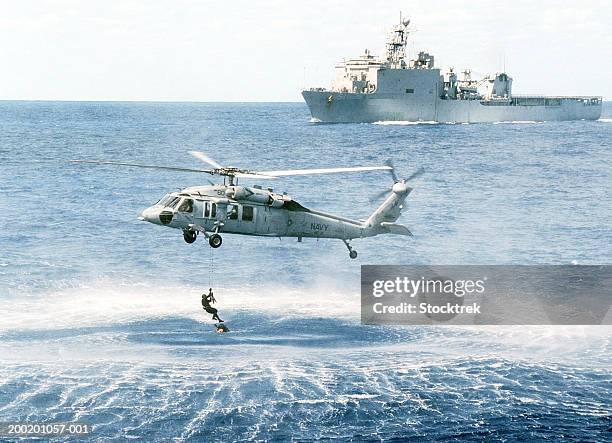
(604, 99)
(145, 101)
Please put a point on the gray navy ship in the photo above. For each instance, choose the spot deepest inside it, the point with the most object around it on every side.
(370, 89)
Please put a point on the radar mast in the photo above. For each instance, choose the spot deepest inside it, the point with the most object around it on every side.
(396, 44)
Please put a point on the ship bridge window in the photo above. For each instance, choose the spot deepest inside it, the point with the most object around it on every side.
(409, 91)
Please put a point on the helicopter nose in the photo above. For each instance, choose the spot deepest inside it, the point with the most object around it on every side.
(156, 215)
(150, 215)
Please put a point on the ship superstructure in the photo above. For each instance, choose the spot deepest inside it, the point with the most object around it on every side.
(370, 89)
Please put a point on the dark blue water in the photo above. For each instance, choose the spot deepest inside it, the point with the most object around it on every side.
(100, 319)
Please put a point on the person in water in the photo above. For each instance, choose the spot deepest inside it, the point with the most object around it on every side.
(221, 328)
(207, 300)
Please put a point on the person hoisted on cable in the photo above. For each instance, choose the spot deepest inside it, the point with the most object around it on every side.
(207, 300)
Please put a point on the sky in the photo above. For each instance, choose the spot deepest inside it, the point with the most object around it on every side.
(199, 50)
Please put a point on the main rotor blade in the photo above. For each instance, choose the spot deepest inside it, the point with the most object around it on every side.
(253, 175)
(419, 172)
(137, 165)
(206, 159)
(380, 195)
(288, 172)
(392, 171)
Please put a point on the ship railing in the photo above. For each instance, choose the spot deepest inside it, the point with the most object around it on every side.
(593, 98)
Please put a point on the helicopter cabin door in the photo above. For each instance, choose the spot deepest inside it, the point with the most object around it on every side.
(206, 214)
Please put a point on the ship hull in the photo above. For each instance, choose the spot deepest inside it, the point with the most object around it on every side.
(337, 107)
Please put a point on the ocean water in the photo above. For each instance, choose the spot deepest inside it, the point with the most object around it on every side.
(100, 316)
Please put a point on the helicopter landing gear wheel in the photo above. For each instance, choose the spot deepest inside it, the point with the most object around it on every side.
(352, 252)
(215, 240)
(189, 236)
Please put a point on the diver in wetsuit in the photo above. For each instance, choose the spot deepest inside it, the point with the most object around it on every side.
(221, 328)
(207, 299)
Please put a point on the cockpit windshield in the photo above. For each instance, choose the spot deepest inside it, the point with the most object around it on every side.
(173, 202)
(165, 200)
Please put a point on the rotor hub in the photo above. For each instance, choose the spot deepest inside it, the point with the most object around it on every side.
(400, 188)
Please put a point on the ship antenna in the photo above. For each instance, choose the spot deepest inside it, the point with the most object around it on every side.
(396, 44)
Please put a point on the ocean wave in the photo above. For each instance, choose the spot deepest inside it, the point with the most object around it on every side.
(605, 120)
(373, 395)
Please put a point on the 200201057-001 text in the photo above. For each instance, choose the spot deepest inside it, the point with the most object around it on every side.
(42, 429)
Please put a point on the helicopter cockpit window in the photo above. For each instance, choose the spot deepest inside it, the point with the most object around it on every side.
(186, 205)
(206, 209)
(164, 200)
(173, 203)
(232, 212)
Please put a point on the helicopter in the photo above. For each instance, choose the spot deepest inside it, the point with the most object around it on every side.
(228, 208)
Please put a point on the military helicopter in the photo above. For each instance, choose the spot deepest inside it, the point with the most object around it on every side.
(252, 210)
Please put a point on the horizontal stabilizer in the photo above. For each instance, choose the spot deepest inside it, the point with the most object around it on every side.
(394, 228)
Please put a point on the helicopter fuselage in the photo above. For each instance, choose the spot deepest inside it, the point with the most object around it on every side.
(232, 209)
(248, 211)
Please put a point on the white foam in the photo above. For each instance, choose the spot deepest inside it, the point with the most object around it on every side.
(360, 396)
(108, 302)
(519, 122)
(405, 122)
(605, 120)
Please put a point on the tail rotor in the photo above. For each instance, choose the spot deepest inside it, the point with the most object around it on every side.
(397, 180)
